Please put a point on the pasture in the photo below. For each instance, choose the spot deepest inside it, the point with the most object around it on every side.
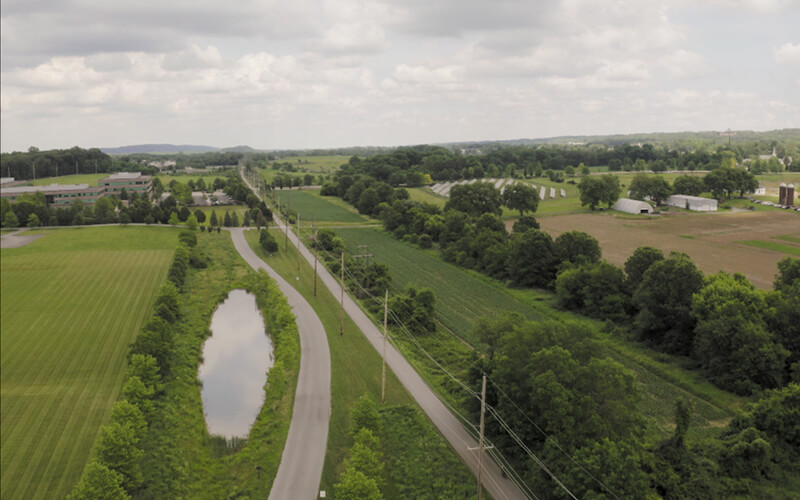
(72, 302)
(326, 164)
(463, 296)
(712, 240)
(309, 204)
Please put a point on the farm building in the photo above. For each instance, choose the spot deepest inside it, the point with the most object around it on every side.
(695, 203)
(633, 206)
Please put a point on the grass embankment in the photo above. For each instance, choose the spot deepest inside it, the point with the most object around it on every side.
(463, 296)
(356, 370)
(324, 209)
(181, 459)
(72, 302)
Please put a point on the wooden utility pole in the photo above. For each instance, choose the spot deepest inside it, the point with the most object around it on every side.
(341, 328)
(367, 255)
(480, 443)
(316, 244)
(385, 335)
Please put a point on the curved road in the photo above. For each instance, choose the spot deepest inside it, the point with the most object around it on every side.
(447, 423)
(300, 469)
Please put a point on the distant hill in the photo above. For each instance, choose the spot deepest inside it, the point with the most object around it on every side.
(158, 148)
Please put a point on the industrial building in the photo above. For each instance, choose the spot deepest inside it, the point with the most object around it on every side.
(63, 195)
(630, 206)
(694, 203)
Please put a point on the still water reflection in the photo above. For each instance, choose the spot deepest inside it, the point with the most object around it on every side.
(236, 359)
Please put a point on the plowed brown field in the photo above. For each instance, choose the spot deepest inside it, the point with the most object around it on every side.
(710, 239)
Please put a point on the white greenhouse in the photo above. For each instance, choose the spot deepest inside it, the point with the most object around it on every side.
(633, 206)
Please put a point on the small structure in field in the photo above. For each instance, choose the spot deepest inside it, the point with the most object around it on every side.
(695, 203)
(630, 206)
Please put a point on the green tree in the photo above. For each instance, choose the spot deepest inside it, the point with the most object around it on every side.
(235, 220)
(213, 222)
(531, 261)
(104, 210)
(364, 415)
(524, 223)
(156, 340)
(191, 223)
(689, 185)
(583, 169)
(355, 485)
(664, 300)
(33, 221)
(522, 197)
(10, 220)
(146, 368)
(576, 247)
(267, 241)
(731, 338)
(99, 483)
(595, 289)
(599, 189)
(638, 263)
(173, 219)
(140, 395)
(119, 451)
(475, 199)
(247, 219)
(200, 215)
(127, 413)
(227, 221)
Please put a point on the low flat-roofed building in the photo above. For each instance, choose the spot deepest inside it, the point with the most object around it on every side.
(695, 203)
(57, 195)
(131, 181)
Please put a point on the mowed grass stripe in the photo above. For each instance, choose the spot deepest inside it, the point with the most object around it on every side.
(88, 396)
(71, 304)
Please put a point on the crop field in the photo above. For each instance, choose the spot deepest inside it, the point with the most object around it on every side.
(309, 204)
(316, 164)
(712, 240)
(72, 302)
(463, 296)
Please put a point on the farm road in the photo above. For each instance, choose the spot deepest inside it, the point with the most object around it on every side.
(300, 470)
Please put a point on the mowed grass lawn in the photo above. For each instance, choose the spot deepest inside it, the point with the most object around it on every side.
(309, 204)
(72, 302)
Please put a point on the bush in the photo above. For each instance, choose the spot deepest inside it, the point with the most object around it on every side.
(188, 238)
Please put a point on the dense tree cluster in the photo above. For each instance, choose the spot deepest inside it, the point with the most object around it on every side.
(744, 339)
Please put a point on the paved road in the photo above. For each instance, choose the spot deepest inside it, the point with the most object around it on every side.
(300, 470)
(447, 423)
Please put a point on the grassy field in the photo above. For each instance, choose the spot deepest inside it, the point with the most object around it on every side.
(220, 210)
(309, 204)
(208, 177)
(463, 296)
(90, 179)
(71, 304)
(315, 164)
(771, 245)
(355, 364)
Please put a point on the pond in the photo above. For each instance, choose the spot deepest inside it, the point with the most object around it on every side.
(237, 357)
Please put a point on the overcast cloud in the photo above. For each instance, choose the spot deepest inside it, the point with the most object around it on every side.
(327, 73)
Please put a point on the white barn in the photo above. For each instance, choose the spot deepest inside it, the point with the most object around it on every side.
(695, 203)
(633, 206)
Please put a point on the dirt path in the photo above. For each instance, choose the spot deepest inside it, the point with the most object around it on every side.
(18, 239)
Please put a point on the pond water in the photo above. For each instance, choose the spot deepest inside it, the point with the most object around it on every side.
(236, 357)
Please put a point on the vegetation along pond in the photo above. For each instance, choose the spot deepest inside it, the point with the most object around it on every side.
(237, 357)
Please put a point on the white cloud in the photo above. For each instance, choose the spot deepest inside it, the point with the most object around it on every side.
(787, 54)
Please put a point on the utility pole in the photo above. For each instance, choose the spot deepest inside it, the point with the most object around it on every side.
(316, 244)
(367, 256)
(385, 335)
(341, 328)
(33, 166)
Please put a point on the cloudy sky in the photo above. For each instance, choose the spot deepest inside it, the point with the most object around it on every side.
(327, 73)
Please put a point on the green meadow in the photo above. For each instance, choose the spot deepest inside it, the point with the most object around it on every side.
(309, 204)
(90, 179)
(72, 302)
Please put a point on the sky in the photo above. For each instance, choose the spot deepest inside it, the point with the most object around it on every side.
(277, 74)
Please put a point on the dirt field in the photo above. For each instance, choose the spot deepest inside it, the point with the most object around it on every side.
(709, 239)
